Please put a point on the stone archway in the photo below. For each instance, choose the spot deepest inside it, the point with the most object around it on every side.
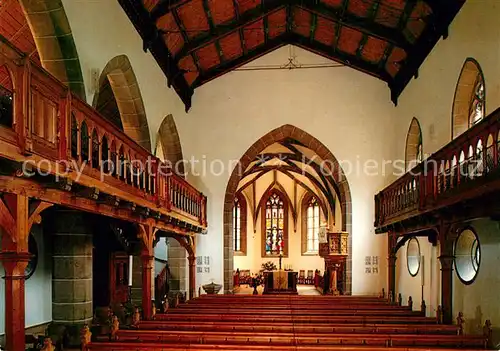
(279, 134)
(54, 41)
(168, 145)
(119, 76)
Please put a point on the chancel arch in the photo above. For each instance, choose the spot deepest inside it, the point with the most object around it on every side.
(279, 162)
(469, 104)
(119, 99)
(414, 148)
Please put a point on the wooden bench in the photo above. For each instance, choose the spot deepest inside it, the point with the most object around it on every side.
(298, 312)
(295, 338)
(308, 328)
(120, 346)
(296, 319)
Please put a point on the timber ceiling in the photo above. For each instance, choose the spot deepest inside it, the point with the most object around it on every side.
(15, 29)
(195, 41)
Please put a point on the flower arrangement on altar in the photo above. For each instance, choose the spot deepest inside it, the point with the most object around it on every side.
(269, 266)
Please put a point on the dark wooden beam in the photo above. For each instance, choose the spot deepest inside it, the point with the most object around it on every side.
(443, 15)
(346, 59)
(185, 37)
(228, 66)
(220, 31)
(211, 24)
(153, 41)
(363, 25)
(165, 6)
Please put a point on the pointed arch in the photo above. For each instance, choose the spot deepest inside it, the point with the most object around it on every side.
(277, 135)
(119, 99)
(239, 220)
(469, 103)
(6, 97)
(168, 145)
(414, 148)
(307, 200)
(54, 41)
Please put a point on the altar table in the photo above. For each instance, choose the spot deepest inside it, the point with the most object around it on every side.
(280, 282)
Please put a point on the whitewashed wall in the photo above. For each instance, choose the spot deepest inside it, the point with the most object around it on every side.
(38, 290)
(474, 33)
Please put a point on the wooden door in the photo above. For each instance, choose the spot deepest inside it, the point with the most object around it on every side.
(119, 271)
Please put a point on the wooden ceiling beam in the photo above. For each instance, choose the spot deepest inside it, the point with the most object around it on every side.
(153, 40)
(222, 30)
(346, 59)
(363, 25)
(443, 14)
(164, 6)
(251, 55)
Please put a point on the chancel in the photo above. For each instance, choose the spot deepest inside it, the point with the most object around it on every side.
(249, 175)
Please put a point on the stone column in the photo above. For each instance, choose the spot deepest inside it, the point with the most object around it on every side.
(192, 277)
(177, 265)
(14, 264)
(72, 271)
(147, 266)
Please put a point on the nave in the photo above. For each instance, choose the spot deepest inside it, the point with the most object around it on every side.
(262, 322)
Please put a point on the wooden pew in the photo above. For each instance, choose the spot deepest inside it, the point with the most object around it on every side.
(306, 328)
(296, 319)
(295, 312)
(119, 346)
(295, 338)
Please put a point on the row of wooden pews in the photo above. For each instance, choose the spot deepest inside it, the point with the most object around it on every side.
(306, 323)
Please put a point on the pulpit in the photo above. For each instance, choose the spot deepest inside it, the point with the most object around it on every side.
(335, 253)
(280, 282)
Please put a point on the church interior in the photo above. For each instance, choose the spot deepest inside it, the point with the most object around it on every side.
(249, 175)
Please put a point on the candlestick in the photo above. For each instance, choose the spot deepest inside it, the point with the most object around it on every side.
(130, 265)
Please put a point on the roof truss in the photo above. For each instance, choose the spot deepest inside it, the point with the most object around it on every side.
(397, 41)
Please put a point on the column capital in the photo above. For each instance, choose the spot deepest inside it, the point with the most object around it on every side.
(15, 263)
(446, 262)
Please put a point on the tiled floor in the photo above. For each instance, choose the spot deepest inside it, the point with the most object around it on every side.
(302, 289)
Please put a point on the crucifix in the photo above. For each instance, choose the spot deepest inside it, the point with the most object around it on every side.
(281, 257)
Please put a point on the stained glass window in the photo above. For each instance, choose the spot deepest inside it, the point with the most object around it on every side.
(275, 223)
(237, 225)
(313, 225)
(476, 110)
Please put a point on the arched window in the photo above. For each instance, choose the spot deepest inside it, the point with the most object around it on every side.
(312, 224)
(469, 103)
(240, 225)
(476, 109)
(275, 219)
(6, 98)
(74, 137)
(414, 152)
(95, 150)
(84, 143)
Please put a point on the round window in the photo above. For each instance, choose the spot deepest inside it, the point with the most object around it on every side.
(413, 256)
(33, 249)
(467, 256)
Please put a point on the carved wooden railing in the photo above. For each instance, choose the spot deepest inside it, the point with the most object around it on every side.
(461, 170)
(50, 123)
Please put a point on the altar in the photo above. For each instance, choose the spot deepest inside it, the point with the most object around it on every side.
(280, 282)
